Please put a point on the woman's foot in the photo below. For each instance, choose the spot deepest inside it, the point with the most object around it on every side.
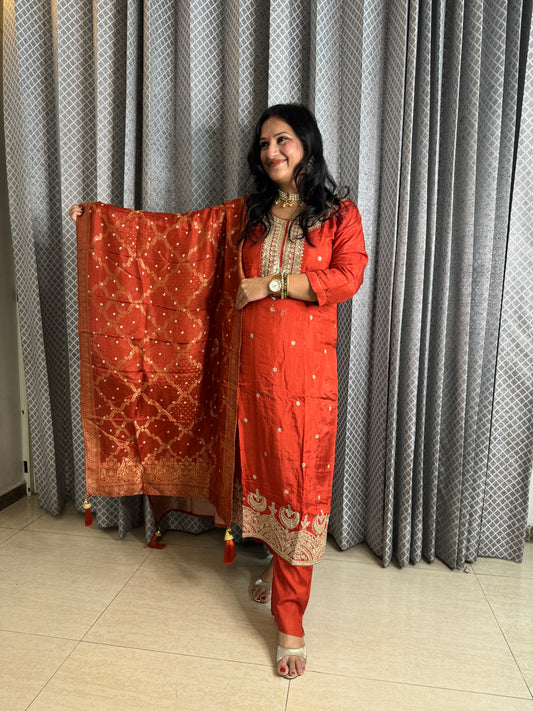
(262, 588)
(290, 665)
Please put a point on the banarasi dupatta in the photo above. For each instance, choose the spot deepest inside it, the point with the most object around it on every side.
(159, 345)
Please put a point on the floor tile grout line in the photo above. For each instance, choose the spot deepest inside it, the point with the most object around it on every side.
(103, 537)
(47, 682)
(350, 562)
(77, 642)
(134, 573)
(378, 680)
(422, 686)
(390, 567)
(77, 536)
(9, 537)
(70, 534)
(504, 636)
(176, 654)
(81, 641)
(33, 521)
(391, 682)
(40, 635)
(501, 575)
(287, 695)
(18, 529)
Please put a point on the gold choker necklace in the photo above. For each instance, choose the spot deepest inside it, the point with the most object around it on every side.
(289, 200)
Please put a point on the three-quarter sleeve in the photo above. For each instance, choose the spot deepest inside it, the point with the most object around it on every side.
(344, 275)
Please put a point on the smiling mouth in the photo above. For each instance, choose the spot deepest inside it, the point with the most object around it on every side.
(273, 164)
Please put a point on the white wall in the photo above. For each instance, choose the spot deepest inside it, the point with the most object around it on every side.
(11, 457)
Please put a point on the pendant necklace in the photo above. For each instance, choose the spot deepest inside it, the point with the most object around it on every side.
(287, 200)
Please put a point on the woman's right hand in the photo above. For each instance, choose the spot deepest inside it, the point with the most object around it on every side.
(75, 212)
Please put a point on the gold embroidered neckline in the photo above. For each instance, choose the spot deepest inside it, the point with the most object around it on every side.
(277, 217)
(288, 219)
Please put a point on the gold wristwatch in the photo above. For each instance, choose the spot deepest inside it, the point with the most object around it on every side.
(274, 285)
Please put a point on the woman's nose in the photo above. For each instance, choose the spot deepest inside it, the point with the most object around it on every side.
(272, 150)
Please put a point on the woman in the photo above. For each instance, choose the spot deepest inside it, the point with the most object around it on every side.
(302, 253)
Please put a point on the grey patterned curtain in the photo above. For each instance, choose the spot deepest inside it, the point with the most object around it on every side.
(427, 113)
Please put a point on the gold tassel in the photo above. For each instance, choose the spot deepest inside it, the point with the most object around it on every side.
(229, 548)
(154, 542)
(88, 513)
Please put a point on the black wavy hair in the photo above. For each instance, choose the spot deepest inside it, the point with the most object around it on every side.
(321, 196)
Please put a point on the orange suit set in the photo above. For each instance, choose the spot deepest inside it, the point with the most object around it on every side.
(165, 398)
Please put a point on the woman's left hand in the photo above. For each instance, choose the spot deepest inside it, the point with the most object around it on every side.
(251, 290)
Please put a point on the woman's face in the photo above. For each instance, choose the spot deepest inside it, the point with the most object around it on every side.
(281, 151)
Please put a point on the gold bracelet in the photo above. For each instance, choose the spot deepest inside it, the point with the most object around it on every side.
(284, 276)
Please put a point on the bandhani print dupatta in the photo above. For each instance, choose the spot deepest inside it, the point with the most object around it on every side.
(159, 346)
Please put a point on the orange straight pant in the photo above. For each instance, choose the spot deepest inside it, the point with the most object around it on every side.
(291, 586)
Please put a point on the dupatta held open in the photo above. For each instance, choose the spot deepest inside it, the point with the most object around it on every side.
(159, 346)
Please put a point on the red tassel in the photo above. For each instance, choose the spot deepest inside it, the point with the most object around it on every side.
(229, 548)
(154, 542)
(88, 513)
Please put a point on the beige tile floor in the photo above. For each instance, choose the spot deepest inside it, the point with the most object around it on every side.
(88, 621)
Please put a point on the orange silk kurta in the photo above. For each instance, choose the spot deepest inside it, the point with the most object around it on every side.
(287, 394)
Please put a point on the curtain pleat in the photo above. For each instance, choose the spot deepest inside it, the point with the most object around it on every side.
(509, 454)
(426, 112)
(35, 210)
(355, 492)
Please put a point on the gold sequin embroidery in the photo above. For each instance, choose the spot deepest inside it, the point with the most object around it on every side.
(278, 252)
(287, 532)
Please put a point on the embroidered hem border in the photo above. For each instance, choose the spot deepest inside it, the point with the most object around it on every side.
(296, 539)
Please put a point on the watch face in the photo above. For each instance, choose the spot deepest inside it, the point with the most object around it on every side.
(275, 286)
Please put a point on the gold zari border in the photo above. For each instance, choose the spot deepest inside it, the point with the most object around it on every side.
(293, 537)
(279, 252)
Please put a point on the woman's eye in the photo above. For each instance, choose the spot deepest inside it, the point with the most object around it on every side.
(282, 139)
(262, 146)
